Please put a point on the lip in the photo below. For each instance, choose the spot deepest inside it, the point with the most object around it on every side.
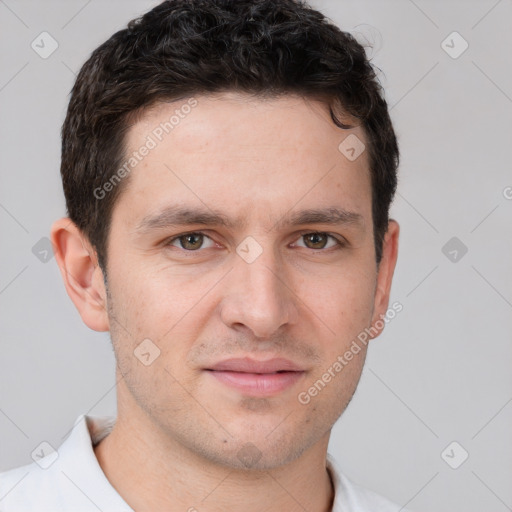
(257, 378)
(249, 365)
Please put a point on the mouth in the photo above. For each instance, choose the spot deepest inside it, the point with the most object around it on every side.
(257, 378)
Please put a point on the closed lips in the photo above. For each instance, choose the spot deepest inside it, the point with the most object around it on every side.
(248, 365)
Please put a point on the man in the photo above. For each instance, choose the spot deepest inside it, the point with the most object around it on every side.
(228, 168)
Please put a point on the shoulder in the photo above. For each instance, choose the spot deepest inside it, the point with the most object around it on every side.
(67, 479)
(352, 497)
(29, 487)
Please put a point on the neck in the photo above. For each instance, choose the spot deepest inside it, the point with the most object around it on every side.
(153, 472)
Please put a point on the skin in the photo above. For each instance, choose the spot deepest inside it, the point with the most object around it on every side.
(179, 433)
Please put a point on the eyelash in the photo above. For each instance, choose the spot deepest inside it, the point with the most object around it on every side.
(339, 243)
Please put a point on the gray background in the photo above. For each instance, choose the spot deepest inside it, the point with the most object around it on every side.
(441, 370)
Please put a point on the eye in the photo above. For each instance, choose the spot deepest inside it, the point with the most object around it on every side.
(194, 241)
(319, 240)
(190, 241)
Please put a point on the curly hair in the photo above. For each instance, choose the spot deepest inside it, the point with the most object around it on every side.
(183, 48)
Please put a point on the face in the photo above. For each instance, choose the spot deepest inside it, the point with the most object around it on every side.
(242, 246)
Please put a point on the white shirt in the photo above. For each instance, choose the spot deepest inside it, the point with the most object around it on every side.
(71, 479)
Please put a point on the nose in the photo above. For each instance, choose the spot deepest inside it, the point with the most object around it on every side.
(259, 296)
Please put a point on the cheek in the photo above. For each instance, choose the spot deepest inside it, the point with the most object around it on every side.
(149, 316)
(343, 301)
(164, 307)
(151, 300)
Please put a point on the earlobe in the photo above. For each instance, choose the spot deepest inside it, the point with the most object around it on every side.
(82, 276)
(385, 276)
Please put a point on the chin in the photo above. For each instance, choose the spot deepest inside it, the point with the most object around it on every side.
(260, 451)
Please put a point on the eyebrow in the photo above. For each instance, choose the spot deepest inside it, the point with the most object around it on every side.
(174, 216)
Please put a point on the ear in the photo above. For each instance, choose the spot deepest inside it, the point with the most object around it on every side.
(385, 276)
(82, 276)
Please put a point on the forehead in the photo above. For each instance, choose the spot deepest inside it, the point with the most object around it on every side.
(243, 123)
(244, 153)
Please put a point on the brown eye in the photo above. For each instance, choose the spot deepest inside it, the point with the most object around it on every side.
(189, 241)
(318, 240)
(192, 241)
